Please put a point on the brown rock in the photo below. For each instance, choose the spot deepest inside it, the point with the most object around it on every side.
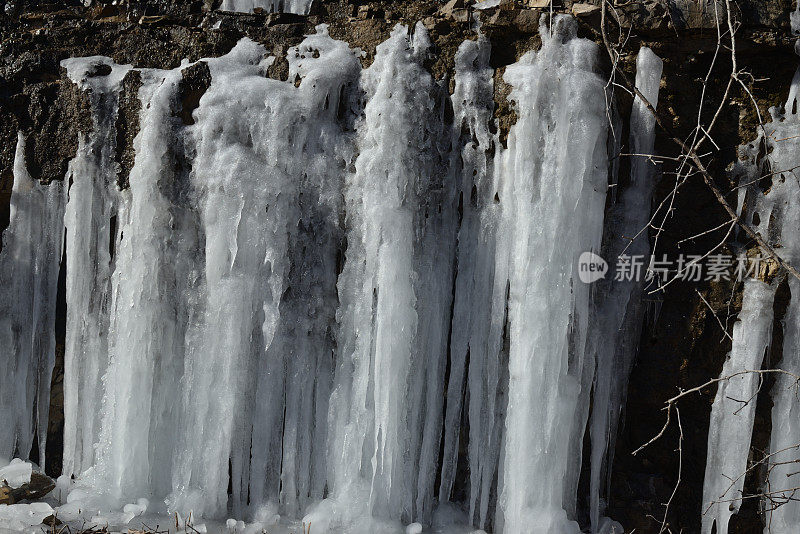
(5, 495)
(39, 486)
(585, 10)
(456, 10)
(51, 521)
(527, 21)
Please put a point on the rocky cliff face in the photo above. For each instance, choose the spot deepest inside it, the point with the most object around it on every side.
(683, 344)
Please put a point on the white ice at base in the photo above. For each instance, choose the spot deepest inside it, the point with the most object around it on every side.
(16, 473)
(17, 517)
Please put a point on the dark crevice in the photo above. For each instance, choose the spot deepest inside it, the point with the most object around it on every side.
(55, 426)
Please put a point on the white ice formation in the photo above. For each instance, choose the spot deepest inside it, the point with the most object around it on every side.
(308, 294)
(298, 7)
(734, 408)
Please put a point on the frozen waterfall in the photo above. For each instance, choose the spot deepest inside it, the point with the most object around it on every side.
(336, 299)
(783, 200)
(774, 212)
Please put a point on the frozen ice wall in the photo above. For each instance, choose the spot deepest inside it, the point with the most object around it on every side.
(395, 293)
(479, 309)
(312, 288)
(222, 297)
(778, 218)
(29, 267)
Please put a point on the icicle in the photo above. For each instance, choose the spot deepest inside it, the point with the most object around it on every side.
(29, 265)
(555, 180)
(479, 308)
(299, 7)
(734, 408)
(88, 220)
(616, 322)
(782, 203)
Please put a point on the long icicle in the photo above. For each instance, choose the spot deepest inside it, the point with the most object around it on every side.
(616, 322)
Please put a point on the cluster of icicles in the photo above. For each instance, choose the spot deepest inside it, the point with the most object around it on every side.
(305, 298)
(299, 7)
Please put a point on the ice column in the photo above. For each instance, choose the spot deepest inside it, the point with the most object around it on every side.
(29, 266)
(554, 186)
(476, 341)
(152, 304)
(280, 172)
(616, 320)
(784, 195)
(395, 295)
(778, 219)
(734, 408)
(89, 219)
(785, 439)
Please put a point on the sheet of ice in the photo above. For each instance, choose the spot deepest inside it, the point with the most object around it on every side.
(222, 280)
(554, 188)
(734, 408)
(29, 266)
(617, 316)
(19, 516)
(271, 241)
(299, 7)
(281, 289)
